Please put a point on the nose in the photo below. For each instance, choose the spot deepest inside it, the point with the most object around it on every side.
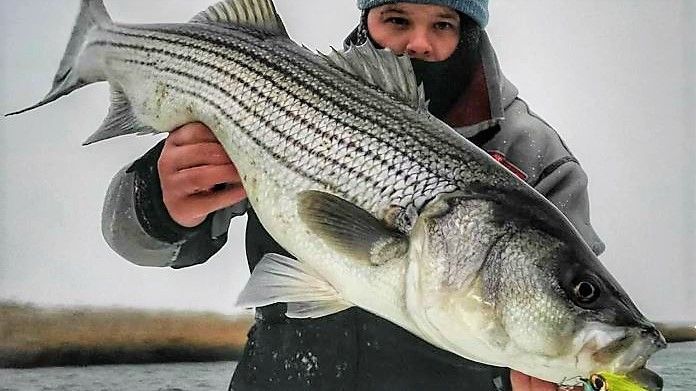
(419, 45)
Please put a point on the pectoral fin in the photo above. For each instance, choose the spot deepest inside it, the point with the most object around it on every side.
(349, 229)
(279, 279)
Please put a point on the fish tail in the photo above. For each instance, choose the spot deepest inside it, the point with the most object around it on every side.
(71, 75)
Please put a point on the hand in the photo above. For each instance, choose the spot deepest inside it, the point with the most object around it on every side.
(522, 382)
(196, 175)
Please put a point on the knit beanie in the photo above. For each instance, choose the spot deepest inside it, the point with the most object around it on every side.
(475, 9)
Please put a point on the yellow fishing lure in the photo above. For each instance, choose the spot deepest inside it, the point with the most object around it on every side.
(605, 381)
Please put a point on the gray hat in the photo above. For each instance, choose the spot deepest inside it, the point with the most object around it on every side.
(475, 9)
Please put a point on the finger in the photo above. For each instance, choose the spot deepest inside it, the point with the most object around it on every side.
(191, 133)
(203, 178)
(223, 198)
(542, 385)
(194, 155)
(200, 205)
(520, 381)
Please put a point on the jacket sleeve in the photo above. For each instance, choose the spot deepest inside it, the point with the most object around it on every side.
(542, 159)
(137, 226)
(564, 183)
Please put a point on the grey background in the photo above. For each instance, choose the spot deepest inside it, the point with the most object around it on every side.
(615, 78)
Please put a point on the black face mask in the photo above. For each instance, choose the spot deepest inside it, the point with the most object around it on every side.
(443, 81)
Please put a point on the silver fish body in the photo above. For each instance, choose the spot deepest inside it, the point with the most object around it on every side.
(384, 206)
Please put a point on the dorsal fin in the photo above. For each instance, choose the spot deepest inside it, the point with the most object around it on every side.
(259, 14)
(382, 68)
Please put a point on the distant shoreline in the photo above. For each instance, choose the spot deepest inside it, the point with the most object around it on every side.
(84, 356)
(33, 337)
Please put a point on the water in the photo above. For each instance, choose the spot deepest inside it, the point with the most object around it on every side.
(151, 377)
(677, 366)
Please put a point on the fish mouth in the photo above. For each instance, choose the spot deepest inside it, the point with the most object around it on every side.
(630, 352)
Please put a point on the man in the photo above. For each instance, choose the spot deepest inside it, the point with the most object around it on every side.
(172, 208)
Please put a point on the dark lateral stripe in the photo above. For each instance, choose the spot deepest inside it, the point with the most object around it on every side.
(406, 149)
(304, 101)
(329, 82)
(347, 143)
(291, 57)
(338, 103)
(268, 149)
(296, 169)
(215, 38)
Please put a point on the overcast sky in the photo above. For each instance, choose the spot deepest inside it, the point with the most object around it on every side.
(615, 78)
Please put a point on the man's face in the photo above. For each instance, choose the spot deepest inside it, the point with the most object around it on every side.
(422, 31)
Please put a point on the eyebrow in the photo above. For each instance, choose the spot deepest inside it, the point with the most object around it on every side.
(396, 9)
(448, 15)
(392, 8)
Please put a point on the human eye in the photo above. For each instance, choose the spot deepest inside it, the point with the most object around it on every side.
(444, 26)
(397, 20)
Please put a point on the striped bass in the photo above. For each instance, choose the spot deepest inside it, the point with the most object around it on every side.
(384, 206)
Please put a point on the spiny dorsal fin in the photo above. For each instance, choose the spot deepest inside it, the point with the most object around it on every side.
(382, 68)
(260, 14)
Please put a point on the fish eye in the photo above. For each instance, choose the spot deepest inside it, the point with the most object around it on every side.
(586, 291)
(598, 383)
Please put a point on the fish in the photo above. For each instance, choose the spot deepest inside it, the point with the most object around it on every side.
(384, 206)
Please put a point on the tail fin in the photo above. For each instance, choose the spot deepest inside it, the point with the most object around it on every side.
(92, 15)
